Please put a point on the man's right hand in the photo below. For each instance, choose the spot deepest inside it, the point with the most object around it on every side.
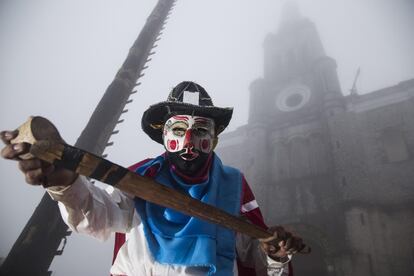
(36, 171)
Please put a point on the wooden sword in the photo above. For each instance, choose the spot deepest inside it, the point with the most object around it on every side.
(48, 146)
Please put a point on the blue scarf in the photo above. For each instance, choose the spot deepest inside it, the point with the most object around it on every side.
(177, 239)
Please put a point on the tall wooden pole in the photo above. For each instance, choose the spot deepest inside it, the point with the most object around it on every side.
(39, 242)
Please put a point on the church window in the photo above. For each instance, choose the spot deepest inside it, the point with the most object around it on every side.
(394, 145)
(338, 145)
(413, 254)
(317, 154)
(299, 157)
(280, 162)
(371, 265)
(294, 100)
(362, 218)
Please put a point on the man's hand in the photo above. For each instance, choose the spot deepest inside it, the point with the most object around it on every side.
(281, 244)
(36, 171)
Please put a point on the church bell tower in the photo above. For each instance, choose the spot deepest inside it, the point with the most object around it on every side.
(292, 168)
(297, 73)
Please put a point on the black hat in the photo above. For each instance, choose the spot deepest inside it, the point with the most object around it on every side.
(178, 103)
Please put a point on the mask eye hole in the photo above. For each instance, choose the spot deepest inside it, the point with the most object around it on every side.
(178, 131)
(200, 131)
(179, 128)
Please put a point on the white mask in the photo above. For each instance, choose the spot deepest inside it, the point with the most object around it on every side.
(193, 134)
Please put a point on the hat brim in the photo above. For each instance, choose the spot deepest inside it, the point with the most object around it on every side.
(155, 116)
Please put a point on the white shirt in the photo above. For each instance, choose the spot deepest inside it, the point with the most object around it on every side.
(89, 209)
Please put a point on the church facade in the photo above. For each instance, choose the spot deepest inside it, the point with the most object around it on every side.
(337, 169)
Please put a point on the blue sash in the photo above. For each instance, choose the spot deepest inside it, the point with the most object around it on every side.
(177, 239)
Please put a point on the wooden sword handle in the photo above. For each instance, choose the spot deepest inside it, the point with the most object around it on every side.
(34, 129)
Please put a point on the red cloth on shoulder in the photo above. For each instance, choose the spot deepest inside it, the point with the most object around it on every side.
(120, 237)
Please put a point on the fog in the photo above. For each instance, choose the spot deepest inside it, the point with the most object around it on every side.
(58, 57)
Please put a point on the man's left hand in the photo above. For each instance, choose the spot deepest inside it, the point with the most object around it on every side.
(281, 244)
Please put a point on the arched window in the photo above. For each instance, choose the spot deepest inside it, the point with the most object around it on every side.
(299, 157)
(394, 145)
(318, 152)
(280, 164)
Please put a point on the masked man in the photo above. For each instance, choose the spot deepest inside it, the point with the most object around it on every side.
(154, 240)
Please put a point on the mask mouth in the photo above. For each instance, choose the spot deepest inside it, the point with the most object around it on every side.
(189, 156)
(189, 163)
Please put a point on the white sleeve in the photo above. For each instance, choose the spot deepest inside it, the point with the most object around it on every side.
(88, 209)
(275, 268)
(250, 255)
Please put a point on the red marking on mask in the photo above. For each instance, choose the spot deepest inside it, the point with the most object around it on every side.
(201, 120)
(181, 117)
(187, 138)
(172, 144)
(205, 144)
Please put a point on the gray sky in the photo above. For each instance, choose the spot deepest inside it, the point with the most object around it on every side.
(58, 57)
